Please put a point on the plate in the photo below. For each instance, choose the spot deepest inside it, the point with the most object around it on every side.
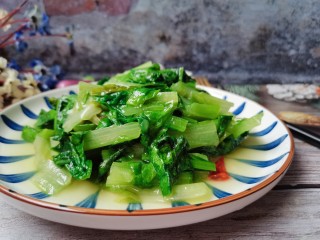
(254, 169)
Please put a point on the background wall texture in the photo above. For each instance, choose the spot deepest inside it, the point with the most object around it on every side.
(229, 41)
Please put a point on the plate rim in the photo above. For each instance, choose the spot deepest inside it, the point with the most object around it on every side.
(160, 211)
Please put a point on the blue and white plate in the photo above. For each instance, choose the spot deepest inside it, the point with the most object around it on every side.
(254, 169)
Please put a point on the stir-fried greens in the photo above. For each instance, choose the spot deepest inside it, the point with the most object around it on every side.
(147, 127)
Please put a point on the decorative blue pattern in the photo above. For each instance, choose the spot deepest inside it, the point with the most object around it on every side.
(16, 178)
(11, 159)
(239, 109)
(219, 193)
(247, 180)
(262, 164)
(46, 99)
(268, 146)
(179, 204)
(38, 195)
(11, 124)
(89, 202)
(264, 131)
(134, 206)
(10, 141)
(72, 92)
(28, 112)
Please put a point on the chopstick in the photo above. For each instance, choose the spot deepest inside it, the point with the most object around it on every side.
(304, 134)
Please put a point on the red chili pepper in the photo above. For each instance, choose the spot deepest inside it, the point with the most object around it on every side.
(221, 173)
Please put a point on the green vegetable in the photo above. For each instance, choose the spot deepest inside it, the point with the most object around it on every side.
(167, 156)
(29, 133)
(226, 146)
(193, 94)
(245, 125)
(71, 155)
(42, 146)
(192, 193)
(108, 157)
(50, 178)
(141, 133)
(177, 123)
(201, 164)
(76, 117)
(44, 121)
(201, 111)
(64, 105)
(111, 135)
(120, 174)
(201, 134)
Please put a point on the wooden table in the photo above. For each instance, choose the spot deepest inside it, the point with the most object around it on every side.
(290, 211)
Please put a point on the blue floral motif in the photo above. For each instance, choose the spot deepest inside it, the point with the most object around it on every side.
(44, 27)
(89, 202)
(20, 44)
(48, 77)
(38, 195)
(134, 206)
(264, 131)
(16, 178)
(179, 204)
(218, 192)
(246, 179)
(11, 124)
(28, 112)
(239, 109)
(11, 159)
(14, 65)
(268, 146)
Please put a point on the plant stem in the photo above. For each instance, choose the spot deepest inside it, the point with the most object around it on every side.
(6, 43)
(7, 18)
(10, 36)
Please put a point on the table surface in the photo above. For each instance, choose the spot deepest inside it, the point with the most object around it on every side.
(290, 211)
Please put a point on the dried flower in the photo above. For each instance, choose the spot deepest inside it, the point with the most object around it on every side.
(35, 24)
(3, 15)
(47, 77)
(14, 86)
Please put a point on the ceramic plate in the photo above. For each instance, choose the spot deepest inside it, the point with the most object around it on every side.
(253, 169)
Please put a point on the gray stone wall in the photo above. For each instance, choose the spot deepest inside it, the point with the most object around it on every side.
(229, 41)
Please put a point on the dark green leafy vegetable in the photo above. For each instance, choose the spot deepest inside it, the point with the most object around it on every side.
(226, 146)
(71, 155)
(29, 133)
(147, 127)
(222, 122)
(167, 155)
(108, 157)
(64, 104)
(46, 119)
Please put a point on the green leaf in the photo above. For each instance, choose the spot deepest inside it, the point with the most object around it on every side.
(245, 125)
(46, 119)
(108, 157)
(29, 133)
(167, 155)
(226, 146)
(71, 155)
